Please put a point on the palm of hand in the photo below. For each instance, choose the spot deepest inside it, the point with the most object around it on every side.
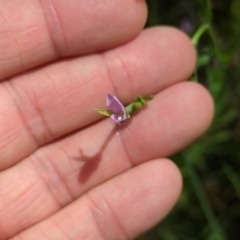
(66, 173)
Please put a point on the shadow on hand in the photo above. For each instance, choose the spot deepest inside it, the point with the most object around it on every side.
(91, 163)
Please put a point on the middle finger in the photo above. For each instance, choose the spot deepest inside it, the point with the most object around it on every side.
(50, 102)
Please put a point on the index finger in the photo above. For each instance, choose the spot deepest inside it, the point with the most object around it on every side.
(33, 32)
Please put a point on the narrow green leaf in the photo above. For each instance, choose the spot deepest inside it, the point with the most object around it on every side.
(104, 112)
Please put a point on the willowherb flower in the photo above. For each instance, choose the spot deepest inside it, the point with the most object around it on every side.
(118, 112)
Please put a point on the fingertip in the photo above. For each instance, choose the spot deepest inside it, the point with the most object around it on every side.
(101, 25)
(167, 184)
(144, 195)
(160, 186)
(202, 106)
(168, 57)
(181, 49)
(175, 118)
(189, 109)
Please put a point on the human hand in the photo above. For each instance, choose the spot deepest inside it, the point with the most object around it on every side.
(67, 173)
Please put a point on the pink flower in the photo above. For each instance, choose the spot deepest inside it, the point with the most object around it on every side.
(118, 111)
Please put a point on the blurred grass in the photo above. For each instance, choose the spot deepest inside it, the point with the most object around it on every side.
(209, 206)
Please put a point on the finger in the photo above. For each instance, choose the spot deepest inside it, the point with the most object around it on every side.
(61, 172)
(122, 208)
(43, 105)
(50, 29)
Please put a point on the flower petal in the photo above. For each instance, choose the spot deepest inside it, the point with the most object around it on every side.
(114, 105)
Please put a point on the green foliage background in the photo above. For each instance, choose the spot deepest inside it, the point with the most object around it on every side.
(209, 207)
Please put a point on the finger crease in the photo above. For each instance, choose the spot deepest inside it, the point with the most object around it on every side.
(49, 165)
(130, 159)
(36, 137)
(99, 211)
(9, 87)
(127, 75)
(55, 33)
(115, 91)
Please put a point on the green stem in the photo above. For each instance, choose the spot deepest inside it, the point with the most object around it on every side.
(199, 33)
(205, 204)
(212, 34)
(215, 45)
(195, 39)
(208, 11)
(233, 177)
(207, 27)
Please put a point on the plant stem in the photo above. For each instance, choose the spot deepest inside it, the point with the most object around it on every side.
(199, 33)
(208, 12)
(205, 205)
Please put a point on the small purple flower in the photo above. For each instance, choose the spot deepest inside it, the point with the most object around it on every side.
(186, 25)
(118, 111)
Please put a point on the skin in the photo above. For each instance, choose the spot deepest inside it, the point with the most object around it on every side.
(66, 172)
